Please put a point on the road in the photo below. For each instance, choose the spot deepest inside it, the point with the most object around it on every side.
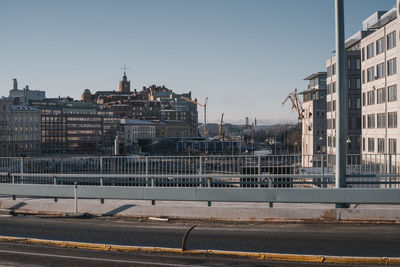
(321, 239)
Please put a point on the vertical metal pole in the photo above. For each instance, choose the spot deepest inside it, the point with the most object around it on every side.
(201, 171)
(390, 170)
(341, 113)
(76, 197)
(259, 171)
(21, 170)
(147, 171)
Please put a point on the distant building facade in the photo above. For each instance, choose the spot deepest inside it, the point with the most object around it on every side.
(314, 121)
(20, 129)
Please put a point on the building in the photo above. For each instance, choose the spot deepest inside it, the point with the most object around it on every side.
(20, 129)
(353, 74)
(380, 81)
(73, 127)
(135, 133)
(24, 96)
(314, 122)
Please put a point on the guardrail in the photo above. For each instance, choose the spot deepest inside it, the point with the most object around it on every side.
(282, 178)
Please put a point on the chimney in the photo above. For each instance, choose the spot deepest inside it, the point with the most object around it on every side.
(15, 84)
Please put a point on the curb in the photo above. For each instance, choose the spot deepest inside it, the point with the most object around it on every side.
(251, 255)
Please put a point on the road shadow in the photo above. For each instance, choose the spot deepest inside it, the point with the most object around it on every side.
(118, 210)
(17, 206)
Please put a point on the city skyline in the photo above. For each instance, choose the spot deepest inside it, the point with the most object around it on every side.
(222, 49)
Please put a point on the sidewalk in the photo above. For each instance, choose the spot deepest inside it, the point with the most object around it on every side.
(221, 211)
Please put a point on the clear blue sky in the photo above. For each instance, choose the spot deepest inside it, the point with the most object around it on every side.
(244, 55)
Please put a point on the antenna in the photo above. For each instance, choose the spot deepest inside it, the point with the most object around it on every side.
(125, 68)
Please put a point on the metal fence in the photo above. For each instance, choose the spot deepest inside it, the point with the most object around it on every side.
(279, 171)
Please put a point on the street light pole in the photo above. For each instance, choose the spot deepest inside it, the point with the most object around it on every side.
(341, 114)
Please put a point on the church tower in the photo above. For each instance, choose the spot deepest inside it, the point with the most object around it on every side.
(125, 85)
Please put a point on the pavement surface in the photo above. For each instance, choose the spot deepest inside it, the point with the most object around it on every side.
(310, 239)
(220, 211)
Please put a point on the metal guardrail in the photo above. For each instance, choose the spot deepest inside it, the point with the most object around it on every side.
(208, 178)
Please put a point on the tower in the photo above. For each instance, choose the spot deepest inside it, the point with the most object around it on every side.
(125, 85)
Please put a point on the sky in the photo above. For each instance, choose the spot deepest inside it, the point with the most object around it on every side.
(244, 55)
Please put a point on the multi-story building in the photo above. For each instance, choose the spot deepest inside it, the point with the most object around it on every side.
(24, 96)
(19, 129)
(314, 121)
(135, 133)
(380, 53)
(353, 74)
(76, 127)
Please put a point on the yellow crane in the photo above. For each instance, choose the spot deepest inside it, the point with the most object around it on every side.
(220, 125)
(205, 112)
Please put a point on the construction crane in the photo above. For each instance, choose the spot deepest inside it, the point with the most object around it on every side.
(296, 104)
(205, 112)
(220, 125)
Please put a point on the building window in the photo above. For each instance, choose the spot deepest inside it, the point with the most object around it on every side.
(370, 50)
(392, 93)
(391, 40)
(380, 71)
(380, 96)
(371, 98)
(358, 83)
(380, 46)
(392, 146)
(392, 68)
(363, 54)
(371, 74)
(363, 99)
(363, 122)
(371, 121)
(381, 120)
(363, 144)
(358, 103)
(392, 120)
(363, 76)
(381, 145)
(371, 144)
(358, 64)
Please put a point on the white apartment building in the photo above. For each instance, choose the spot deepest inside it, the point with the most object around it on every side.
(380, 55)
(314, 120)
(135, 130)
(20, 129)
(353, 74)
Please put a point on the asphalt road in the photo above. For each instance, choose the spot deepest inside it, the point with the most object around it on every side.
(321, 239)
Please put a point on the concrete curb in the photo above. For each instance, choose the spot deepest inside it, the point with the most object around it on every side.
(251, 255)
(192, 211)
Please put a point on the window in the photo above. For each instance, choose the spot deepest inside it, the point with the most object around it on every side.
(380, 96)
(392, 146)
(358, 103)
(363, 76)
(370, 50)
(392, 120)
(370, 98)
(349, 63)
(381, 145)
(358, 64)
(392, 67)
(371, 121)
(363, 54)
(381, 120)
(391, 40)
(363, 99)
(380, 71)
(363, 144)
(392, 93)
(358, 83)
(380, 46)
(363, 122)
(371, 144)
(371, 73)
(349, 84)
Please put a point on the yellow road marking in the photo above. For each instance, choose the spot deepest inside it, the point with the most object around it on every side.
(252, 255)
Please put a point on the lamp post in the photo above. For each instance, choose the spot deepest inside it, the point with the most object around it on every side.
(341, 114)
